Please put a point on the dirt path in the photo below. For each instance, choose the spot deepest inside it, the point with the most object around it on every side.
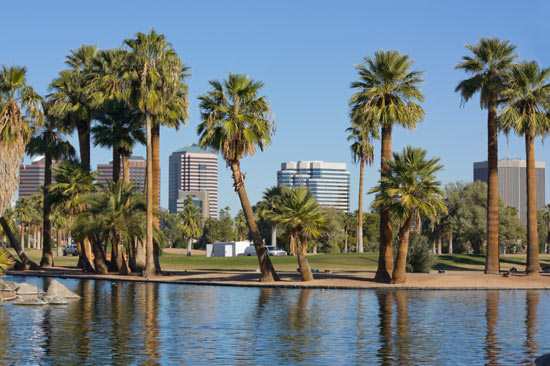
(449, 280)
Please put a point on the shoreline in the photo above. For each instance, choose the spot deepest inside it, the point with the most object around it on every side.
(450, 281)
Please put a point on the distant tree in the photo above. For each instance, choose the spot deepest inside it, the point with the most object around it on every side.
(191, 222)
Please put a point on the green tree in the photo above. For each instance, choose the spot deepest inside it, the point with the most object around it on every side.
(387, 92)
(72, 182)
(236, 121)
(241, 226)
(191, 222)
(157, 89)
(546, 220)
(20, 115)
(407, 186)
(488, 66)
(526, 103)
(299, 213)
(361, 132)
(48, 141)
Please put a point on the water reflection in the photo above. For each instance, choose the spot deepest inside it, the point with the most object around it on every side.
(117, 323)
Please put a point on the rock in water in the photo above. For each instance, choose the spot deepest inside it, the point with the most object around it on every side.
(29, 300)
(27, 289)
(55, 300)
(57, 289)
(8, 285)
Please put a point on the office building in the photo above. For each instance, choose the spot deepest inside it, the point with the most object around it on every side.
(31, 177)
(193, 172)
(512, 183)
(328, 182)
(138, 166)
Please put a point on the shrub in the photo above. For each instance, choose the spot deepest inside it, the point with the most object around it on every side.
(420, 258)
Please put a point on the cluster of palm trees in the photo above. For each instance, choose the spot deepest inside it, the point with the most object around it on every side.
(517, 97)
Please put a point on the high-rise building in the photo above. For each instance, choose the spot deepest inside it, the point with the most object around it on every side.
(31, 177)
(328, 182)
(512, 183)
(138, 167)
(193, 170)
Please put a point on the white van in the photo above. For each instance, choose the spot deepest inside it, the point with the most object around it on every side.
(271, 250)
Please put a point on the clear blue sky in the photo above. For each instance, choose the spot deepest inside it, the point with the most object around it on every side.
(305, 53)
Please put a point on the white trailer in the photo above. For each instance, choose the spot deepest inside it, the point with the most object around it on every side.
(227, 248)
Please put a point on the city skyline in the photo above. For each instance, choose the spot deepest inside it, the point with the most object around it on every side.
(306, 67)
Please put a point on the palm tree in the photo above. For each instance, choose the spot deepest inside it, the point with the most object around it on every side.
(191, 221)
(20, 114)
(546, 218)
(302, 218)
(48, 142)
(488, 66)
(526, 103)
(158, 91)
(71, 97)
(72, 182)
(387, 95)
(271, 197)
(349, 219)
(240, 224)
(236, 121)
(362, 152)
(409, 185)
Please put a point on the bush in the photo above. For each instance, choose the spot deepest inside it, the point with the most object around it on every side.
(420, 258)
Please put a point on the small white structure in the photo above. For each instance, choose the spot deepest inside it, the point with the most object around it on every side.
(227, 248)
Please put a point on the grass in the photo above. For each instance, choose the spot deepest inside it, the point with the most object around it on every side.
(335, 262)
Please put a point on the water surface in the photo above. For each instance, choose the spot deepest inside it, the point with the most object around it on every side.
(125, 323)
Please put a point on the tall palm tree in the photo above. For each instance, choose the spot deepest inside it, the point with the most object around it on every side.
(48, 141)
(158, 91)
(408, 186)
(236, 121)
(190, 222)
(387, 94)
(362, 152)
(72, 182)
(72, 97)
(349, 219)
(299, 213)
(526, 104)
(20, 114)
(488, 66)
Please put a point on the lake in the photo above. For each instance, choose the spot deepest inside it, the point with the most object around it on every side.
(128, 323)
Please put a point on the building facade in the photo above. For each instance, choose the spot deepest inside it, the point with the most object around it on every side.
(193, 172)
(31, 177)
(512, 183)
(138, 166)
(328, 182)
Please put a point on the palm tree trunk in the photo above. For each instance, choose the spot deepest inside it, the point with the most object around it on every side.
(451, 240)
(149, 260)
(439, 246)
(99, 257)
(189, 244)
(303, 263)
(267, 270)
(59, 242)
(533, 266)
(400, 271)
(116, 164)
(273, 235)
(126, 167)
(84, 143)
(22, 235)
(434, 250)
(360, 208)
(27, 263)
(155, 135)
(385, 258)
(138, 260)
(547, 249)
(346, 239)
(492, 264)
(47, 257)
(116, 262)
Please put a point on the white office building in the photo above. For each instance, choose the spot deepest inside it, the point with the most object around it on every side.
(328, 182)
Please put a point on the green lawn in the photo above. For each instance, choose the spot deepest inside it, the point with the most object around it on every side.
(334, 262)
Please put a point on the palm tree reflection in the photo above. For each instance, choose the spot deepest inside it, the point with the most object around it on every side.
(385, 316)
(491, 340)
(531, 345)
